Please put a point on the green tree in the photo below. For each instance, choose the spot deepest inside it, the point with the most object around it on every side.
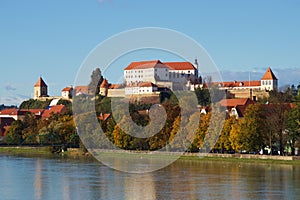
(30, 130)
(96, 80)
(35, 104)
(14, 133)
(293, 127)
(203, 96)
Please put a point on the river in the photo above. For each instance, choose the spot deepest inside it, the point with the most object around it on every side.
(42, 178)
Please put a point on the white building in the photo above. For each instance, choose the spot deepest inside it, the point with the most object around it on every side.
(159, 74)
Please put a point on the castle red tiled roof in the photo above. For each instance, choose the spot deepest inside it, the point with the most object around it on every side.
(180, 65)
(159, 64)
(115, 86)
(239, 84)
(144, 64)
(40, 83)
(146, 84)
(269, 75)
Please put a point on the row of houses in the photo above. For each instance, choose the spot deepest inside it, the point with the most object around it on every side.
(237, 107)
(8, 116)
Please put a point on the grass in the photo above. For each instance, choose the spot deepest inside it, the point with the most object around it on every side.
(31, 150)
(45, 151)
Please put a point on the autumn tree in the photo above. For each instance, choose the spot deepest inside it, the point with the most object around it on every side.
(236, 138)
(224, 142)
(14, 133)
(252, 128)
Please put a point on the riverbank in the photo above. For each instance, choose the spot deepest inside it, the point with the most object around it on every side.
(78, 153)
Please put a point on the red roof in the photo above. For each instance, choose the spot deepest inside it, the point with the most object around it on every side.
(180, 65)
(104, 116)
(146, 84)
(115, 86)
(269, 75)
(104, 83)
(143, 64)
(235, 102)
(33, 111)
(10, 111)
(57, 109)
(159, 64)
(67, 89)
(40, 83)
(81, 89)
(15, 111)
(239, 83)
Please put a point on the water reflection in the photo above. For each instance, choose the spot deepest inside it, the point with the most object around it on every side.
(38, 180)
(44, 178)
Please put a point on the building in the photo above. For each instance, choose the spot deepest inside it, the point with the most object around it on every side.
(236, 107)
(104, 87)
(172, 75)
(67, 92)
(269, 81)
(40, 89)
(252, 89)
(81, 89)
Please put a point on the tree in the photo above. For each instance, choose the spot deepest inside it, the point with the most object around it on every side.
(201, 133)
(96, 80)
(203, 96)
(277, 109)
(253, 128)
(236, 138)
(30, 130)
(293, 127)
(224, 142)
(14, 133)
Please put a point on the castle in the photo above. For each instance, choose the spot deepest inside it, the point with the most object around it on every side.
(146, 78)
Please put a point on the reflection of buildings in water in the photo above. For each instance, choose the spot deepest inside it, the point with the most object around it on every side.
(66, 188)
(38, 180)
(139, 186)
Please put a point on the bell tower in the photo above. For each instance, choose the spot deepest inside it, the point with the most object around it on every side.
(40, 89)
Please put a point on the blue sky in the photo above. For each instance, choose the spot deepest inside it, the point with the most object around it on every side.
(52, 38)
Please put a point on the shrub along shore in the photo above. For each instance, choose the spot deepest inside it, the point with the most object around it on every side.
(78, 153)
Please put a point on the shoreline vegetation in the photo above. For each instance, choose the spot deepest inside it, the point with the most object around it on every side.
(76, 153)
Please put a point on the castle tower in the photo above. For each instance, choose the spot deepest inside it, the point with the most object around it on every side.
(104, 87)
(269, 81)
(40, 89)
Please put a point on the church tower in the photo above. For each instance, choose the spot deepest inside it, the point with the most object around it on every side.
(40, 89)
(196, 66)
(269, 81)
